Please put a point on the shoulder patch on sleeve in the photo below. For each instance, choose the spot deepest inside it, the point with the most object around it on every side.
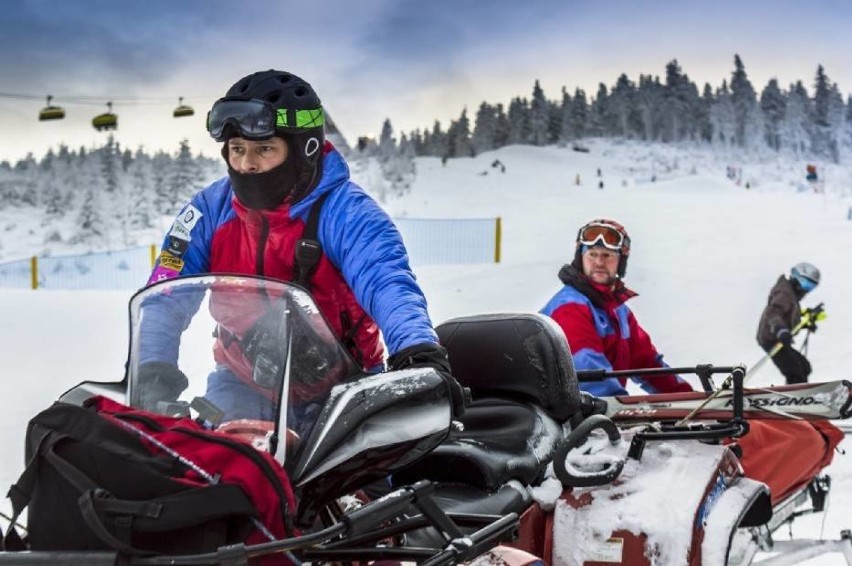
(168, 261)
(185, 222)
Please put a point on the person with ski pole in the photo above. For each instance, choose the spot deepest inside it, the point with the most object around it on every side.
(590, 308)
(288, 210)
(782, 315)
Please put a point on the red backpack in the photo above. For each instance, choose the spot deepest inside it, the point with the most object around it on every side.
(108, 477)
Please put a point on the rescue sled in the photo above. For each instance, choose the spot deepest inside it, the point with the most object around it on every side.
(620, 481)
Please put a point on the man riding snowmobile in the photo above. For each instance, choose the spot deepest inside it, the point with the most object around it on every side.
(288, 210)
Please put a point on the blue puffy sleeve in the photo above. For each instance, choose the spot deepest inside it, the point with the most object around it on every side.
(360, 239)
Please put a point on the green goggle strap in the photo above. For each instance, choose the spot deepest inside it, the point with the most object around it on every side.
(299, 118)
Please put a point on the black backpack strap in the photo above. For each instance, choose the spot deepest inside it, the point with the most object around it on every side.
(185, 509)
(308, 248)
(21, 492)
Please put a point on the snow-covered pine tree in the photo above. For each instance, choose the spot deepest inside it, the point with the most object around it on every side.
(744, 101)
(566, 134)
(774, 105)
(538, 117)
(827, 124)
(847, 138)
(92, 228)
(796, 125)
(438, 141)
(484, 129)
(836, 124)
(599, 115)
(554, 121)
(110, 165)
(723, 118)
(702, 114)
(501, 130)
(649, 98)
(622, 104)
(183, 179)
(679, 98)
(458, 137)
(142, 194)
(579, 113)
(518, 116)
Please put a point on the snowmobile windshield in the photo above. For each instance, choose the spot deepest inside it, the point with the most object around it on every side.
(248, 356)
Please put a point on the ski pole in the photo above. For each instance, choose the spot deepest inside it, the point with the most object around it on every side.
(766, 357)
(808, 320)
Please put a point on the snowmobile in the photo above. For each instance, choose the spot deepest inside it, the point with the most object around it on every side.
(305, 405)
(535, 472)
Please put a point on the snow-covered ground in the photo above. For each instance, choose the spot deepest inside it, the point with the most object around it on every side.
(706, 251)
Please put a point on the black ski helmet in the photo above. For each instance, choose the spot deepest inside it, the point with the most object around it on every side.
(286, 92)
(623, 247)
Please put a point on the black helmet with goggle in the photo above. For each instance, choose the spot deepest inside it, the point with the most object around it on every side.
(605, 233)
(271, 103)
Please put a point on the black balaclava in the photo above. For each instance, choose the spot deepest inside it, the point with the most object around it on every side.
(268, 190)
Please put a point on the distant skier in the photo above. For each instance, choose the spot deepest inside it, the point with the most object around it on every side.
(781, 315)
(601, 330)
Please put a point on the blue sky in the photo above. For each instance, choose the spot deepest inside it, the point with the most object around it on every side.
(412, 61)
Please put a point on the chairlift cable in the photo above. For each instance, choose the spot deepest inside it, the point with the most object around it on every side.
(99, 100)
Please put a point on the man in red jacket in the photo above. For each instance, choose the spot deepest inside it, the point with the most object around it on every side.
(601, 330)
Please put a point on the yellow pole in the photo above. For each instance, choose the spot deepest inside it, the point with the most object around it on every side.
(153, 255)
(498, 237)
(34, 272)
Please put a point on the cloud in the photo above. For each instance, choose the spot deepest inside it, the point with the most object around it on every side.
(90, 47)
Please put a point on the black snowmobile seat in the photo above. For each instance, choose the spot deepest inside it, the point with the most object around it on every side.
(524, 387)
(521, 375)
(517, 356)
(501, 441)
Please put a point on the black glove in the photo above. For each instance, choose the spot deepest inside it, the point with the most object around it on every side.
(159, 381)
(433, 356)
(783, 335)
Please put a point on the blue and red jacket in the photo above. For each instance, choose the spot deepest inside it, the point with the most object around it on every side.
(603, 334)
(362, 284)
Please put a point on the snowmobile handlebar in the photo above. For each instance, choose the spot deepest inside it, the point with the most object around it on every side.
(568, 474)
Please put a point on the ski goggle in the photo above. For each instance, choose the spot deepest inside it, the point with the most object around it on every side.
(604, 234)
(806, 284)
(257, 119)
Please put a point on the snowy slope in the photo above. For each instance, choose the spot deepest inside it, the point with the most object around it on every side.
(705, 253)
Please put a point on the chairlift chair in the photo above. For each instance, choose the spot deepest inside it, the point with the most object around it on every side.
(106, 121)
(183, 109)
(51, 112)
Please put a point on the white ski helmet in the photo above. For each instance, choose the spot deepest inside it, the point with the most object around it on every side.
(806, 275)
